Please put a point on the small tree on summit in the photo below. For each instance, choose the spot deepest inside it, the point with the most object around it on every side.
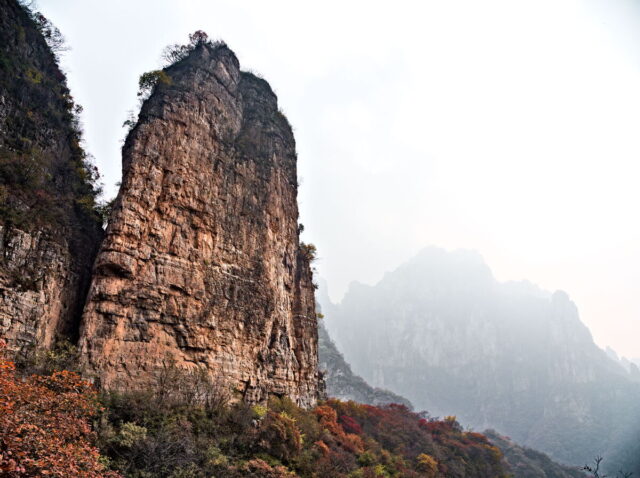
(176, 52)
(198, 38)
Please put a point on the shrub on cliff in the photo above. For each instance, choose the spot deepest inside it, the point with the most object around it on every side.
(149, 80)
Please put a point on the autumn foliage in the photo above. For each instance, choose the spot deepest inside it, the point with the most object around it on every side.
(394, 441)
(45, 430)
(45, 425)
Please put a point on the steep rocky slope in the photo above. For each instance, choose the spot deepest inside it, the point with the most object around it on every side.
(441, 331)
(342, 383)
(201, 265)
(49, 231)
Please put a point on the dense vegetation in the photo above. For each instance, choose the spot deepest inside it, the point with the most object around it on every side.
(45, 425)
(46, 178)
(186, 427)
(148, 434)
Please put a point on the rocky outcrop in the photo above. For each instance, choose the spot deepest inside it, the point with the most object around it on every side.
(49, 231)
(201, 265)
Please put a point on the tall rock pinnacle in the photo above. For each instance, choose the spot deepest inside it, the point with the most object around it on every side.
(201, 265)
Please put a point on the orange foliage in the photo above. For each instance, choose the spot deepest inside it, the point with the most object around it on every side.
(328, 419)
(258, 468)
(44, 425)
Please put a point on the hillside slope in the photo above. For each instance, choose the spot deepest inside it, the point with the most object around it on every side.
(342, 383)
(525, 462)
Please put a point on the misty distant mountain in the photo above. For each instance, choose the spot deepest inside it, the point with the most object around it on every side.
(343, 384)
(340, 381)
(441, 331)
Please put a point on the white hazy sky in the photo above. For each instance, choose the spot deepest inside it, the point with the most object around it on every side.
(509, 127)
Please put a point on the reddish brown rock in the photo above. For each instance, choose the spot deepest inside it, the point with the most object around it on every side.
(202, 264)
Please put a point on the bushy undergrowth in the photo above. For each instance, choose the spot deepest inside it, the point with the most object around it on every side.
(45, 425)
(144, 435)
(185, 426)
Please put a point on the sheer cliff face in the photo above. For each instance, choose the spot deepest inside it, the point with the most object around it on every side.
(201, 264)
(48, 231)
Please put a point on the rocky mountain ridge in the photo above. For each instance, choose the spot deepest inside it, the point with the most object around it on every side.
(444, 333)
(342, 383)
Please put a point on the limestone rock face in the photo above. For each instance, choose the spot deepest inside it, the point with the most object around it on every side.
(49, 233)
(201, 265)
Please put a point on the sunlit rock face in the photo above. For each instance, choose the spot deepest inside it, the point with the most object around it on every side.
(201, 265)
(48, 232)
(442, 332)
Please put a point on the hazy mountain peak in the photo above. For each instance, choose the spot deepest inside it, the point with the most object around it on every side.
(443, 332)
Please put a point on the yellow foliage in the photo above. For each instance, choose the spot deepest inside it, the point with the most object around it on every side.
(259, 411)
(428, 464)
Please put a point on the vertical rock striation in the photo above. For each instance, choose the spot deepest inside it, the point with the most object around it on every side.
(201, 265)
(49, 231)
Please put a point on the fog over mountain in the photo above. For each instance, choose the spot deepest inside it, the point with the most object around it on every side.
(441, 331)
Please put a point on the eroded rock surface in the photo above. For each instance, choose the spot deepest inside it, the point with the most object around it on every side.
(201, 265)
